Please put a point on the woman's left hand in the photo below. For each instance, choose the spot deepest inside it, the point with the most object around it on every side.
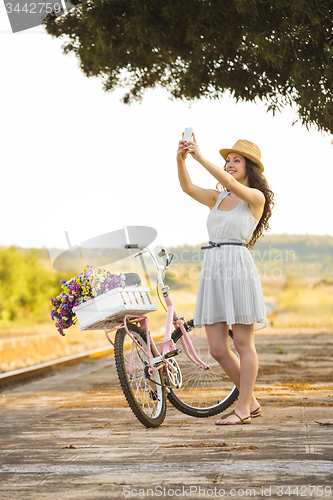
(194, 150)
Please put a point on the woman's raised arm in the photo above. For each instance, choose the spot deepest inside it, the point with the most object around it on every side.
(205, 196)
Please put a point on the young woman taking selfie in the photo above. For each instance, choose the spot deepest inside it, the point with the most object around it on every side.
(229, 290)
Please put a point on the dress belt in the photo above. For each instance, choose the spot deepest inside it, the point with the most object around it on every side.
(212, 244)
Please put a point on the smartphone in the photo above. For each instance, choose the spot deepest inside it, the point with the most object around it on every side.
(188, 134)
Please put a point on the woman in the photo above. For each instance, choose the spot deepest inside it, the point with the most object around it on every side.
(229, 291)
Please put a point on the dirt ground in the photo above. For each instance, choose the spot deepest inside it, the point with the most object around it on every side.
(71, 435)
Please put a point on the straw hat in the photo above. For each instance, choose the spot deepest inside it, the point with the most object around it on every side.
(245, 148)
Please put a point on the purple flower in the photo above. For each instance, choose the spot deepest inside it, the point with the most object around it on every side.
(96, 281)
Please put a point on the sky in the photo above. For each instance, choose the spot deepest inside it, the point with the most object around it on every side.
(74, 158)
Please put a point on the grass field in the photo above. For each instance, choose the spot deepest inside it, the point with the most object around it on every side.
(305, 302)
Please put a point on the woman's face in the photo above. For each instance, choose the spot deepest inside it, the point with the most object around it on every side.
(236, 166)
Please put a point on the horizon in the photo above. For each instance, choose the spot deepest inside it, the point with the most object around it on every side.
(156, 243)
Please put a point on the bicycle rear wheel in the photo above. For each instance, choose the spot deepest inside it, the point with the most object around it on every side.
(201, 392)
(145, 394)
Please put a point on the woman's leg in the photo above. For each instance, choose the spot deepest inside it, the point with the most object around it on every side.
(244, 343)
(218, 340)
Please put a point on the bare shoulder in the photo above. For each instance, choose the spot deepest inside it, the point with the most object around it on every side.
(252, 196)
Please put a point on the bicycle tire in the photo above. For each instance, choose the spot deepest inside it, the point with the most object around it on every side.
(197, 395)
(146, 399)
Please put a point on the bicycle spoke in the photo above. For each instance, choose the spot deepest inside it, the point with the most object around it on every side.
(203, 391)
(146, 398)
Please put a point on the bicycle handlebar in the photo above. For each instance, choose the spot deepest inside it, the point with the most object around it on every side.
(134, 245)
(163, 253)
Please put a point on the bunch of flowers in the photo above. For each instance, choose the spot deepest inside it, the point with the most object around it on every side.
(94, 281)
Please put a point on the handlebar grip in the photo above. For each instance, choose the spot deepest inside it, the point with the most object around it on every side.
(133, 245)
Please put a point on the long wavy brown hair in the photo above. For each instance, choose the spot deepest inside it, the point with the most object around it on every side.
(258, 181)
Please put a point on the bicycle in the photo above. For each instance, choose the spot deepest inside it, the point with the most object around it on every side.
(180, 370)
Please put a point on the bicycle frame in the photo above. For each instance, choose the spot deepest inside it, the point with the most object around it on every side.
(166, 345)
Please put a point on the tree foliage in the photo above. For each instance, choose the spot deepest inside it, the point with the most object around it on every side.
(26, 285)
(279, 52)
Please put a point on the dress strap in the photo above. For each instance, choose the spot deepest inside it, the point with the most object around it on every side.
(221, 197)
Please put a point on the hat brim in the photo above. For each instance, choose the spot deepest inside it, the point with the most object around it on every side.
(225, 152)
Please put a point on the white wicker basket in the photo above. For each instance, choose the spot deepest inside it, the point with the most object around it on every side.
(112, 306)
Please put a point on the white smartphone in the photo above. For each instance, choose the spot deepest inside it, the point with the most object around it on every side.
(188, 134)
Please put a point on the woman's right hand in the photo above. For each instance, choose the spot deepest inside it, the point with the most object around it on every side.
(194, 150)
(182, 150)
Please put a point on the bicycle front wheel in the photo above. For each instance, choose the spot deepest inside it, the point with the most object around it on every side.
(194, 390)
(145, 393)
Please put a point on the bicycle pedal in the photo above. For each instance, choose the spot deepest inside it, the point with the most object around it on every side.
(153, 395)
(172, 353)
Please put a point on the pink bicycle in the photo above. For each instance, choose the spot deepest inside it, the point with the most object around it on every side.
(179, 369)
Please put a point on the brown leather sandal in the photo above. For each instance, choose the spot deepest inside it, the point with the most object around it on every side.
(241, 420)
(255, 413)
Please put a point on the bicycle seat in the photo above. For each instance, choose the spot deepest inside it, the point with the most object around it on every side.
(132, 279)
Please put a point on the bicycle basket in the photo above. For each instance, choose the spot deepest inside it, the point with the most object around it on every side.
(113, 306)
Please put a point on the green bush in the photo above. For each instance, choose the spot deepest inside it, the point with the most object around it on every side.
(26, 284)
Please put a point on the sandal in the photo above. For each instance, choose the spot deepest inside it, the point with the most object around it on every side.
(246, 420)
(255, 413)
